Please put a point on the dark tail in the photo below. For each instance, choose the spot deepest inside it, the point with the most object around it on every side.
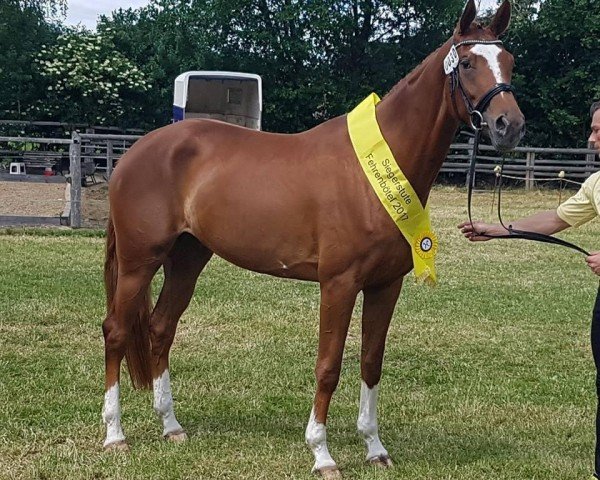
(138, 354)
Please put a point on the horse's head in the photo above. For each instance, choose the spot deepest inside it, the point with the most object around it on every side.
(481, 71)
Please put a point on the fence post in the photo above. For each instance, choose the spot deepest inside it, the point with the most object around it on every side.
(529, 170)
(75, 170)
(109, 159)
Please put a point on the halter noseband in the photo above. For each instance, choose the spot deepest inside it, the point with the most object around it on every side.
(475, 111)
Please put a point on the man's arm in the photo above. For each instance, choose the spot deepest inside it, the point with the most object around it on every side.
(547, 222)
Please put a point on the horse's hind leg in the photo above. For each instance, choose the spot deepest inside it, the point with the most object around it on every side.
(184, 263)
(378, 308)
(125, 331)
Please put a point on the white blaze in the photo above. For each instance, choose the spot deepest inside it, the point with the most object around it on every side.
(492, 54)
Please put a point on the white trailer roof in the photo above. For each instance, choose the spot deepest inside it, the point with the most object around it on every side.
(182, 81)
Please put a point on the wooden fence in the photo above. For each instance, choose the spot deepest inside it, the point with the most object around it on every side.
(526, 164)
(70, 159)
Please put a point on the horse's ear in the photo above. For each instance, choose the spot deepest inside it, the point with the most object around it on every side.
(501, 19)
(468, 15)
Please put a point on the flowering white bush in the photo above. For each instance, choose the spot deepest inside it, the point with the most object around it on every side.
(88, 80)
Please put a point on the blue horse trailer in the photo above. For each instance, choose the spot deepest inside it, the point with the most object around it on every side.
(232, 97)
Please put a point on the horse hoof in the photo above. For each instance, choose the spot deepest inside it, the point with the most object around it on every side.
(381, 461)
(120, 446)
(177, 437)
(329, 473)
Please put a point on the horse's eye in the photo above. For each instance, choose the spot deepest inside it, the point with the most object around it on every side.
(465, 64)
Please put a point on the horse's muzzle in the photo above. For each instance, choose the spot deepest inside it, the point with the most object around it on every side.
(506, 130)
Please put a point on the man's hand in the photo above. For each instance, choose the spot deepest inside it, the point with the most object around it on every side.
(593, 262)
(471, 230)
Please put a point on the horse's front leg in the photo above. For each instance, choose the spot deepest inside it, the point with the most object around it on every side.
(378, 308)
(338, 296)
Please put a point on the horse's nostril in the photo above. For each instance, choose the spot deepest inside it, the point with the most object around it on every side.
(502, 124)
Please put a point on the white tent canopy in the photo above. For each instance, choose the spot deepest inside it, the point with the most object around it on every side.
(232, 97)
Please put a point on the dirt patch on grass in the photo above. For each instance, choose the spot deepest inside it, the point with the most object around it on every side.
(32, 199)
(48, 200)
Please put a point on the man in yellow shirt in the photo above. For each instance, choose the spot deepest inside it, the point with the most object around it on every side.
(580, 208)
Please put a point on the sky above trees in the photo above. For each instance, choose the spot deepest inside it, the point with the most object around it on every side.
(86, 12)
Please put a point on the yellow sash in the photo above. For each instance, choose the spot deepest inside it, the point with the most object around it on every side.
(392, 188)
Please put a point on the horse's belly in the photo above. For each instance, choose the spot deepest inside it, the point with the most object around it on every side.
(258, 238)
(279, 262)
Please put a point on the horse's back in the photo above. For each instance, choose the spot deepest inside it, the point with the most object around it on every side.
(171, 160)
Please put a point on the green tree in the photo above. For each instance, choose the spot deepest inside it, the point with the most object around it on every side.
(47, 7)
(558, 70)
(87, 80)
(23, 29)
(317, 59)
(163, 39)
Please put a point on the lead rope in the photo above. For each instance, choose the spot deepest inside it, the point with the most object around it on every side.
(512, 233)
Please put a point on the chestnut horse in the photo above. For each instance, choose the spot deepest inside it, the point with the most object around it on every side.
(295, 206)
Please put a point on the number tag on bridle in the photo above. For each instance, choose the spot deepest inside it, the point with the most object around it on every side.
(451, 60)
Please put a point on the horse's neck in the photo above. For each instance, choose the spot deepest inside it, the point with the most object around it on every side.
(417, 122)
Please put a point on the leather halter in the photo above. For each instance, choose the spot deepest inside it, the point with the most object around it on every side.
(475, 111)
(477, 124)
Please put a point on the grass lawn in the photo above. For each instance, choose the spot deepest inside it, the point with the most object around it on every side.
(489, 375)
